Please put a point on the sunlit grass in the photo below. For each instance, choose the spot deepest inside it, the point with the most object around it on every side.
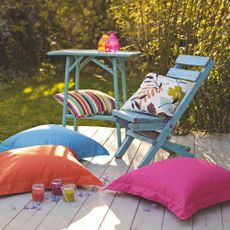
(29, 103)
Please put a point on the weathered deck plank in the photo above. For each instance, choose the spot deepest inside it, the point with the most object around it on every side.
(225, 207)
(11, 206)
(215, 149)
(99, 204)
(108, 210)
(124, 206)
(208, 219)
(171, 222)
(221, 148)
(149, 216)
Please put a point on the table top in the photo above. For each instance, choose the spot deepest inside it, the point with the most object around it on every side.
(94, 53)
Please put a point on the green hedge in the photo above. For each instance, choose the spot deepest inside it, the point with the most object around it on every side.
(164, 29)
(160, 29)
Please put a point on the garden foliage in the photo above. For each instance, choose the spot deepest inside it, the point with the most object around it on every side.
(160, 29)
(163, 29)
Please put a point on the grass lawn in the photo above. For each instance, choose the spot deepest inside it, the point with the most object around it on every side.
(28, 103)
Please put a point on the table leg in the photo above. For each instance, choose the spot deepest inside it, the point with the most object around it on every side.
(77, 74)
(116, 94)
(77, 85)
(123, 79)
(64, 111)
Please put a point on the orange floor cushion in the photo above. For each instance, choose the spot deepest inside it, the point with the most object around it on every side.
(21, 168)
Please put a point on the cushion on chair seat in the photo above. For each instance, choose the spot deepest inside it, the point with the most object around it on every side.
(137, 121)
(137, 117)
(87, 102)
(158, 95)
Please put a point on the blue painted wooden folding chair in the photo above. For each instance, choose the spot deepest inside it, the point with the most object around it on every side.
(155, 129)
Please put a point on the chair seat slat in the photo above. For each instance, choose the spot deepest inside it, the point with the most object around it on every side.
(146, 126)
(192, 60)
(183, 74)
(141, 137)
(136, 117)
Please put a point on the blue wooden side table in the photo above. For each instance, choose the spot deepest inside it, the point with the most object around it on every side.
(77, 59)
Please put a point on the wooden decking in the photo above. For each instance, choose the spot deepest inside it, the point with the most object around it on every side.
(100, 209)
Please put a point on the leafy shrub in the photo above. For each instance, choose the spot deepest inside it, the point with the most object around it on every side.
(162, 30)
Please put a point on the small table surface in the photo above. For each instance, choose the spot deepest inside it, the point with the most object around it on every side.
(89, 52)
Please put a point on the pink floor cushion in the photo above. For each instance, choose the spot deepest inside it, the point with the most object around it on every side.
(183, 185)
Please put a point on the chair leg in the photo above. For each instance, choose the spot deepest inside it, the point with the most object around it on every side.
(75, 123)
(118, 128)
(149, 155)
(169, 147)
(187, 148)
(176, 148)
(124, 146)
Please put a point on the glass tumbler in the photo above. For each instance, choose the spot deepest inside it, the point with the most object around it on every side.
(56, 186)
(38, 191)
(68, 192)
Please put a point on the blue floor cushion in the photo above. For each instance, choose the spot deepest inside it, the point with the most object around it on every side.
(52, 134)
(3, 148)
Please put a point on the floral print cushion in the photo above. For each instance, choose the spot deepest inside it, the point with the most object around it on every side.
(158, 95)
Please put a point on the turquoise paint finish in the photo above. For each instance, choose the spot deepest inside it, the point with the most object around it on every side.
(116, 93)
(146, 126)
(188, 75)
(109, 70)
(136, 118)
(123, 79)
(86, 61)
(176, 148)
(92, 53)
(64, 112)
(81, 59)
(192, 60)
(77, 61)
(77, 73)
(124, 147)
(138, 124)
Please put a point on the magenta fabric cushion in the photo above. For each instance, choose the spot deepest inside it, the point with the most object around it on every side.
(183, 185)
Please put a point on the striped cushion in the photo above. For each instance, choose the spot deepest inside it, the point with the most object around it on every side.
(87, 102)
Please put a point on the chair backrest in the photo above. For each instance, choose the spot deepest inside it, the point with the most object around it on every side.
(188, 60)
(181, 71)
